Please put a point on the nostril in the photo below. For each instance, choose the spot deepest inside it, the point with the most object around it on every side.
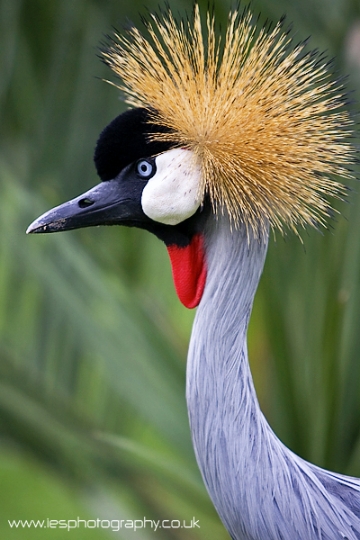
(84, 203)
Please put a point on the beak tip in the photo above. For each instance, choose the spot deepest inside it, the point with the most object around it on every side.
(31, 229)
(38, 226)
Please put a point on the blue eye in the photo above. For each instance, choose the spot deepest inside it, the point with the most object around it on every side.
(145, 168)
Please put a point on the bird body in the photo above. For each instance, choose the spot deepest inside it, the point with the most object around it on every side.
(223, 144)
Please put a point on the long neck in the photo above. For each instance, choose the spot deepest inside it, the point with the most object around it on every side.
(225, 418)
(217, 360)
(260, 489)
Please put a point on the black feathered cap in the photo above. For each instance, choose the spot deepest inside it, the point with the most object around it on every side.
(125, 140)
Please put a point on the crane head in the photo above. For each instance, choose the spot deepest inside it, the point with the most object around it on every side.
(146, 184)
(251, 126)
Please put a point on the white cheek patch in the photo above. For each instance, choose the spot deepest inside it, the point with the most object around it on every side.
(172, 194)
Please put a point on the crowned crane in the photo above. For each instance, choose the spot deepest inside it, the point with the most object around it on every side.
(222, 143)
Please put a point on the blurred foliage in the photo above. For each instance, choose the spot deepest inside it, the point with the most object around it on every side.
(93, 339)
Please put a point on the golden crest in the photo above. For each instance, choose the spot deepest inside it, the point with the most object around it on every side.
(265, 118)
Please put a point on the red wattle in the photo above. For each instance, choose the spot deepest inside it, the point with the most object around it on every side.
(189, 270)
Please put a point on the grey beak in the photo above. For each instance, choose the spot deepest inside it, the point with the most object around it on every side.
(104, 204)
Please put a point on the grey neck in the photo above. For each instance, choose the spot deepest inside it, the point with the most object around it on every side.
(222, 402)
(261, 490)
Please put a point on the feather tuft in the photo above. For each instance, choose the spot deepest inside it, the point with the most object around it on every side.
(264, 117)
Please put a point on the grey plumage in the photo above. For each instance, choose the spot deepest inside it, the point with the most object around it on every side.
(261, 490)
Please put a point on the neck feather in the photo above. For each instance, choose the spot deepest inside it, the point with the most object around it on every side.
(258, 486)
(222, 402)
(218, 360)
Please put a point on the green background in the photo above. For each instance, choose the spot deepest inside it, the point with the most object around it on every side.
(93, 340)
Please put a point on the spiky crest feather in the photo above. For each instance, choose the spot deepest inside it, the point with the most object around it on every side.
(264, 118)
